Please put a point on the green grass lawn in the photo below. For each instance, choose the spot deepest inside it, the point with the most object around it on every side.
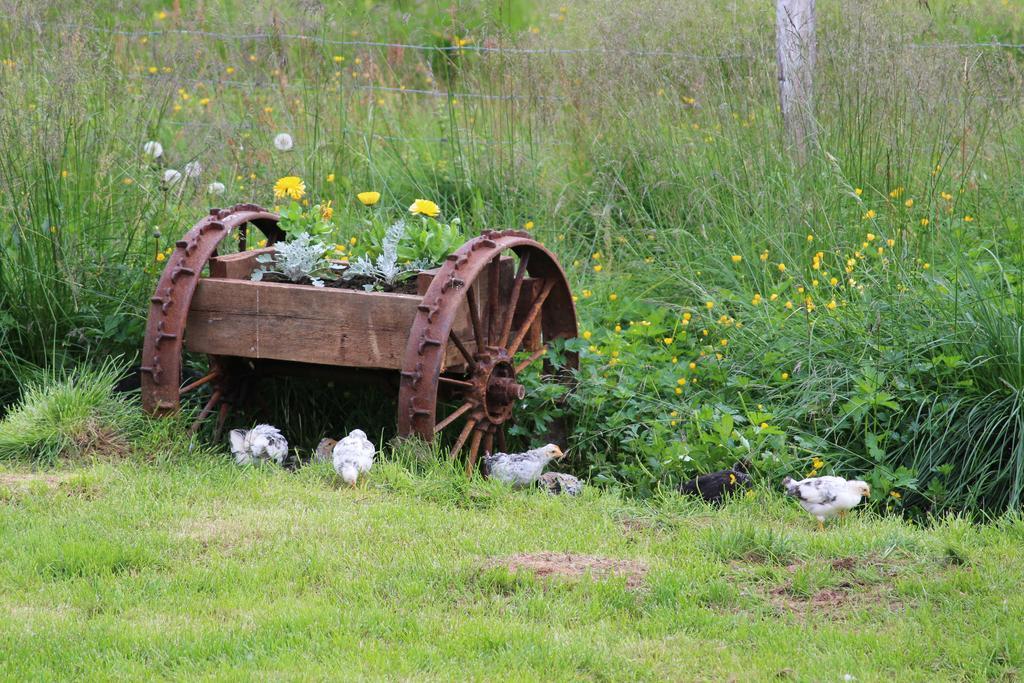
(200, 569)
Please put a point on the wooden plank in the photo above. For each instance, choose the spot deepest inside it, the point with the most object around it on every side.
(237, 266)
(301, 323)
(796, 48)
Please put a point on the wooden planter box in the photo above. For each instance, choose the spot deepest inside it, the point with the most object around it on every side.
(232, 315)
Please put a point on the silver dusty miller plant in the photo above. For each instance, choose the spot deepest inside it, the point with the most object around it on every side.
(298, 259)
(386, 268)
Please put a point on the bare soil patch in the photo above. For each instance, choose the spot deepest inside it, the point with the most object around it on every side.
(569, 565)
(24, 480)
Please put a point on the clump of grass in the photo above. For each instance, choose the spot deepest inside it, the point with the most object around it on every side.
(74, 415)
(751, 543)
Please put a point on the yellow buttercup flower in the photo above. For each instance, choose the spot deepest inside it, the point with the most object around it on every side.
(736, 258)
(289, 186)
(425, 207)
(326, 210)
(369, 198)
(870, 214)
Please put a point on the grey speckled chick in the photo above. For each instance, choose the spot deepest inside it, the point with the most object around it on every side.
(520, 469)
(260, 444)
(557, 483)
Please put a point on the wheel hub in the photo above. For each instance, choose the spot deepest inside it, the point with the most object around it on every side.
(495, 388)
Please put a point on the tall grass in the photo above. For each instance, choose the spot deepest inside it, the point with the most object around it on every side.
(657, 145)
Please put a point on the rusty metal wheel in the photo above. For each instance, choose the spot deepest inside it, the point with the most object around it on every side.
(499, 300)
(165, 328)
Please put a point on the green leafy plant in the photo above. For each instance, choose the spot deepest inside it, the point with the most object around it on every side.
(300, 259)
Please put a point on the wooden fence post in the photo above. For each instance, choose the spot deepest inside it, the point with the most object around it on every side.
(796, 46)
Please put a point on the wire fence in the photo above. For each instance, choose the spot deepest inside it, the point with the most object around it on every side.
(761, 53)
(495, 49)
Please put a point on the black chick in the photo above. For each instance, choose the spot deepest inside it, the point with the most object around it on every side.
(715, 486)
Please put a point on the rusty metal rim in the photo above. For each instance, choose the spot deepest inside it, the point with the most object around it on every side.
(432, 329)
(169, 305)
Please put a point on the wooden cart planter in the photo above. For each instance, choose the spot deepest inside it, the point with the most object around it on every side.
(477, 322)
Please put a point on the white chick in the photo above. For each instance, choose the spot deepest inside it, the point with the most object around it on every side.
(520, 469)
(826, 497)
(259, 444)
(353, 456)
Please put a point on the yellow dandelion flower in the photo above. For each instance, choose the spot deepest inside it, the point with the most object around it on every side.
(723, 342)
(598, 268)
(870, 214)
(678, 391)
(789, 305)
(289, 186)
(736, 258)
(781, 267)
(857, 191)
(681, 381)
(756, 300)
(870, 237)
(618, 328)
(926, 266)
(831, 305)
(160, 257)
(709, 304)
(528, 225)
(687, 316)
(424, 207)
(968, 219)
(587, 293)
(764, 255)
(330, 177)
(810, 238)
(909, 203)
(773, 297)
(924, 222)
(368, 198)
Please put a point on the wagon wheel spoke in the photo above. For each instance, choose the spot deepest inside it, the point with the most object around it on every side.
(517, 286)
(488, 443)
(533, 357)
(474, 448)
(531, 316)
(459, 383)
(199, 382)
(463, 435)
(453, 417)
(493, 301)
(210, 405)
(499, 438)
(462, 346)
